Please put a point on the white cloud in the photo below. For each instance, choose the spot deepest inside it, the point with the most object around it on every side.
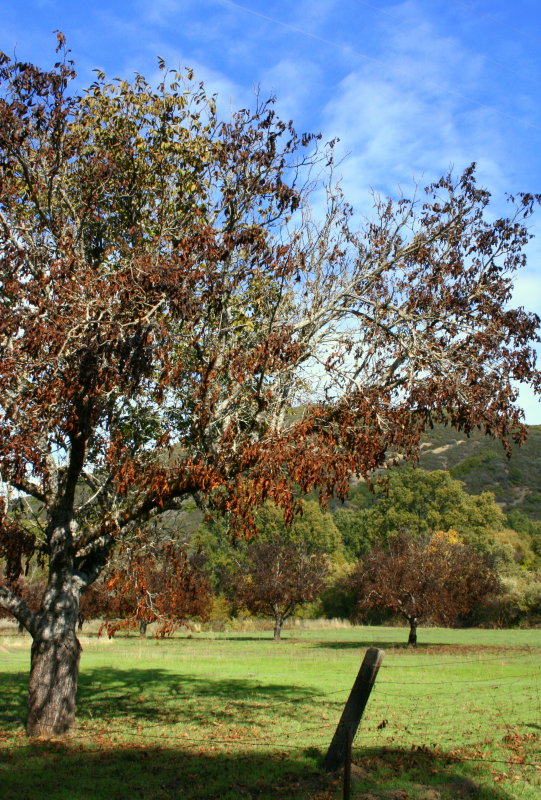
(160, 12)
(292, 82)
(418, 108)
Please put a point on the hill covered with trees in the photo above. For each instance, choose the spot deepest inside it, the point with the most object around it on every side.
(482, 465)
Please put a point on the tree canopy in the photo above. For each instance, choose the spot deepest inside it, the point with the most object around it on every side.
(433, 578)
(312, 527)
(418, 502)
(156, 582)
(277, 576)
(168, 293)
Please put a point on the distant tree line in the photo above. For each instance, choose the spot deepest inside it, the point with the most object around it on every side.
(415, 547)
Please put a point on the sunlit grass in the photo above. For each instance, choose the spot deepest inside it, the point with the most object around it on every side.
(246, 717)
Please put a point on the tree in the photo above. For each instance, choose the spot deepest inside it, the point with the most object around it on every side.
(312, 528)
(418, 502)
(438, 579)
(157, 583)
(353, 528)
(95, 602)
(277, 577)
(167, 296)
(529, 532)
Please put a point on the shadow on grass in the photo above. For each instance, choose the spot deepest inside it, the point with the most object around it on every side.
(383, 771)
(13, 692)
(163, 697)
(92, 765)
(292, 637)
(68, 772)
(382, 645)
(159, 696)
(73, 771)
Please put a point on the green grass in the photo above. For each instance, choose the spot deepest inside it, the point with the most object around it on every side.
(235, 715)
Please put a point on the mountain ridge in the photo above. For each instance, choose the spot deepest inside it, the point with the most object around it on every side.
(481, 463)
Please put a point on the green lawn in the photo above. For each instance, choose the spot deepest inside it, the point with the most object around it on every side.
(234, 715)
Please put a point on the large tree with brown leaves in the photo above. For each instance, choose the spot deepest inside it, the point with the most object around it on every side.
(167, 296)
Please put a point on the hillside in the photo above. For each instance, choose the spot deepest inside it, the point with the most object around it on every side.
(481, 463)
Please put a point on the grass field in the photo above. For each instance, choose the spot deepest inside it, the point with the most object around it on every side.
(234, 715)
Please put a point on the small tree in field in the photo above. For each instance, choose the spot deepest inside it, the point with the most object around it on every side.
(157, 583)
(166, 296)
(437, 579)
(277, 577)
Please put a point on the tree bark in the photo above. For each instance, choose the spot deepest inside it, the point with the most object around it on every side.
(143, 624)
(54, 666)
(52, 689)
(278, 629)
(412, 638)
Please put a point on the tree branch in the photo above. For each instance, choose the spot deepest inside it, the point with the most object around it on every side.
(29, 488)
(13, 603)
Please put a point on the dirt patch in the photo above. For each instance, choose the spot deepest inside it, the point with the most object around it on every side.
(442, 447)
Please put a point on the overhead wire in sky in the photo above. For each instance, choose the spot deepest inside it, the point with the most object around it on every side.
(477, 53)
(353, 51)
(346, 48)
(496, 21)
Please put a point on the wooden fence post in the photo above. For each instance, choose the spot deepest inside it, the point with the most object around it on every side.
(346, 795)
(354, 708)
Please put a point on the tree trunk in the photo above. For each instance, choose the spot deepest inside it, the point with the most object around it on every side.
(143, 624)
(53, 683)
(54, 666)
(278, 628)
(412, 639)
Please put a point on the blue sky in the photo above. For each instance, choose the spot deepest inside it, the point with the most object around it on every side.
(410, 88)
